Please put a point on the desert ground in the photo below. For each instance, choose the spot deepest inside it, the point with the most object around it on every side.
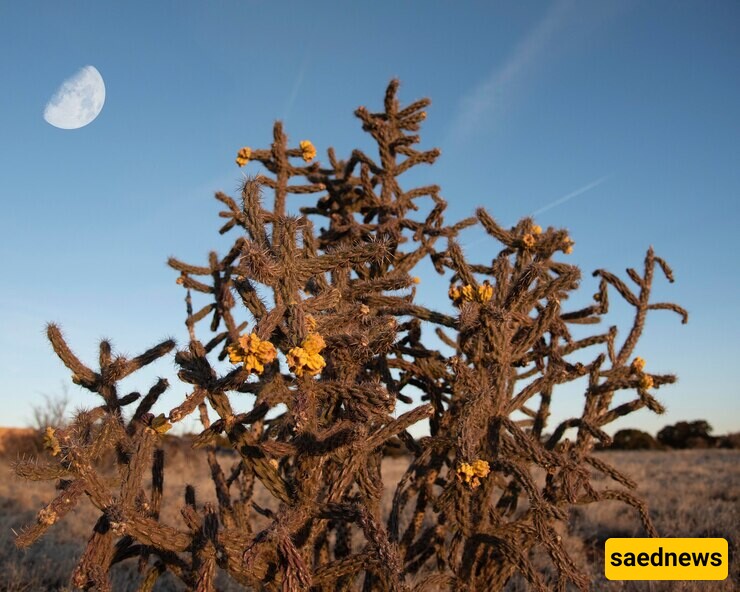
(691, 493)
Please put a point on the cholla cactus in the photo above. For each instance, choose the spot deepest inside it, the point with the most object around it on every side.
(340, 340)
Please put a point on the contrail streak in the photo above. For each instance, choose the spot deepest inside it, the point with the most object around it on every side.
(553, 204)
(571, 195)
(296, 88)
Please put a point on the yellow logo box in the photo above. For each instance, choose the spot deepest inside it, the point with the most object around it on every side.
(666, 559)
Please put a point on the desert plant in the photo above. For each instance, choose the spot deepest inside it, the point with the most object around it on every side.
(52, 411)
(730, 440)
(687, 434)
(634, 440)
(322, 328)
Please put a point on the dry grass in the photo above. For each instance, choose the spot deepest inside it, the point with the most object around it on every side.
(691, 494)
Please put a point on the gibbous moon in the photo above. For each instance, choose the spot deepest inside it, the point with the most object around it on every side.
(78, 100)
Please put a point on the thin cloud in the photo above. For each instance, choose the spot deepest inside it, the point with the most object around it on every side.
(490, 97)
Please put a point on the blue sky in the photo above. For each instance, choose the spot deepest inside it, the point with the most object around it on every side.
(629, 110)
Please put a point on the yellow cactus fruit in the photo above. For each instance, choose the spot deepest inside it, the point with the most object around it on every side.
(308, 152)
(638, 365)
(471, 474)
(485, 292)
(646, 382)
(243, 156)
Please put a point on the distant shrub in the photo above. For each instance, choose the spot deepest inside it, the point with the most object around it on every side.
(729, 441)
(52, 411)
(684, 434)
(634, 440)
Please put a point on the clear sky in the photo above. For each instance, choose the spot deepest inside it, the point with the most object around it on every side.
(617, 120)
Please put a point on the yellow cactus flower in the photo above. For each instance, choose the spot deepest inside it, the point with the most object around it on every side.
(465, 470)
(416, 279)
(253, 352)
(300, 361)
(235, 353)
(314, 343)
(638, 365)
(253, 364)
(471, 474)
(263, 350)
(485, 292)
(308, 151)
(529, 240)
(50, 441)
(243, 156)
(481, 468)
(482, 293)
(315, 364)
(537, 229)
(307, 358)
(297, 358)
(646, 382)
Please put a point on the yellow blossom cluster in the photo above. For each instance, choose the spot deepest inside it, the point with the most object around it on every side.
(307, 358)
(467, 293)
(50, 441)
(253, 352)
(243, 156)
(568, 246)
(529, 240)
(472, 473)
(646, 382)
(308, 152)
(637, 367)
